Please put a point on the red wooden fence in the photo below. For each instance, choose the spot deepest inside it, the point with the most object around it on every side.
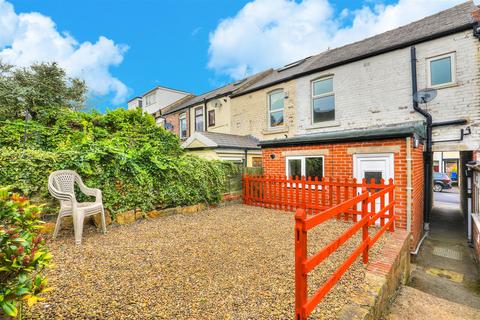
(365, 203)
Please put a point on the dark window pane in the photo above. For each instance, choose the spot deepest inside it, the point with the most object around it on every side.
(276, 119)
(441, 71)
(324, 109)
(322, 87)
(295, 167)
(376, 175)
(211, 118)
(314, 168)
(276, 100)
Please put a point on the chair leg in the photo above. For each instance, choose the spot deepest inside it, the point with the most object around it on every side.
(104, 225)
(57, 226)
(78, 226)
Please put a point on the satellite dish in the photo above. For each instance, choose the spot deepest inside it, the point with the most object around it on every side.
(425, 95)
(168, 126)
(217, 103)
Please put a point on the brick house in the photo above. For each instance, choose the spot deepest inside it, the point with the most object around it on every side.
(203, 123)
(350, 112)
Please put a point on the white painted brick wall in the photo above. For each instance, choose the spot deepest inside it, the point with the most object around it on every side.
(377, 91)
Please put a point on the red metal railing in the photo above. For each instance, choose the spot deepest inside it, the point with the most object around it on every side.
(366, 203)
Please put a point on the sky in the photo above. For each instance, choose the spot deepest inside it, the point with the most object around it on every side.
(123, 48)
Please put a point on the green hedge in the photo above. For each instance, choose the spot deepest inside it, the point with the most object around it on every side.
(124, 153)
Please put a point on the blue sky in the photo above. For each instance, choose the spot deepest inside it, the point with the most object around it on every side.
(183, 44)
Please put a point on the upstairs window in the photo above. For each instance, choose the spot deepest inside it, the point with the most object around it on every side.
(211, 118)
(150, 99)
(199, 119)
(305, 166)
(323, 100)
(441, 70)
(183, 125)
(275, 108)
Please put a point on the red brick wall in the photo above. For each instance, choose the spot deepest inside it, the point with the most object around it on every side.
(174, 120)
(417, 194)
(338, 163)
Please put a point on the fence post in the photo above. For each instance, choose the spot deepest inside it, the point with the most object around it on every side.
(301, 294)
(245, 189)
(391, 212)
(365, 236)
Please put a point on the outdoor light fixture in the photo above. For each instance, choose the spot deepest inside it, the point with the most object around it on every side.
(273, 156)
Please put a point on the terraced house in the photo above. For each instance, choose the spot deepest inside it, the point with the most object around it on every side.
(374, 109)
(362, 110)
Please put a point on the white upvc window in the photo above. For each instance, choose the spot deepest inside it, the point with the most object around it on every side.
(308, 166)
(276, 107)
(441, 71)
(183, 125)
(150, 99)
(323, 100)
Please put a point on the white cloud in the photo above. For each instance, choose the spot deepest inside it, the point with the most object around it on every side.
(32, 37)
(271, 33)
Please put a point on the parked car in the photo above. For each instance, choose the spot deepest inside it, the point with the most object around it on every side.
(441, 181)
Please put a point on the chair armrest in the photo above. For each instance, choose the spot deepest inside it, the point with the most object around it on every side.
(97, 193)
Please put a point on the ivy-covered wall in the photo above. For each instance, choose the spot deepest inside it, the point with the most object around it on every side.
(124, 153)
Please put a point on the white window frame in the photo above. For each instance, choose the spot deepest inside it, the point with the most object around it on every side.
(453, 70)
(183, 116)
(312, 97)
(303, 166)
(269, 111)
(150, 99)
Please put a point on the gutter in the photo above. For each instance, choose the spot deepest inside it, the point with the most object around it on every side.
(427, 154)
(361, 57)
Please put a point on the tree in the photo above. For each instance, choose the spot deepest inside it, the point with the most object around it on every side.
(42, 89)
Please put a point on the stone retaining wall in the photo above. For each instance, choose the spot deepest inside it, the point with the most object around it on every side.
(382, 279)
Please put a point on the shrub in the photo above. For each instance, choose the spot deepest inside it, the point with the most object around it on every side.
(124, 153)
(23, 254)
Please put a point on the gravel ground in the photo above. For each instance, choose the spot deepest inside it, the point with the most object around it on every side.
(235, 262)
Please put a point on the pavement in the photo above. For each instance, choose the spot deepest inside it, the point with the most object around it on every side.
(444, 269)
(451, 196)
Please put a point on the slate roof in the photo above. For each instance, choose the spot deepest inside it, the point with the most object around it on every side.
(385, 132)
(449, 21)
(217, 93)
(231, 140)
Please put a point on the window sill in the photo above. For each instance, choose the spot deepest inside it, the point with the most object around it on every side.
(282, 129)
(444, 86)
(326, 124)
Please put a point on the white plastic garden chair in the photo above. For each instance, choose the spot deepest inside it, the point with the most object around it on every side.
(61, 186)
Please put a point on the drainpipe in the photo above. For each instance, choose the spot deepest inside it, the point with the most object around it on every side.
(427, 154)
(245, 163)
(205, 115)
(409, 184)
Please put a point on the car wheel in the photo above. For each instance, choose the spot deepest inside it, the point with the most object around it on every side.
(437, 187)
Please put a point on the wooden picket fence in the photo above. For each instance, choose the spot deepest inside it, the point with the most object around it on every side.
(316, 202)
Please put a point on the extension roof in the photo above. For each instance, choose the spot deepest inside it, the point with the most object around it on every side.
(385, 132)
(222, 140)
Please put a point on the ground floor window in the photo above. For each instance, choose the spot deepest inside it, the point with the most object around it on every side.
(256, 162)
(305, 166)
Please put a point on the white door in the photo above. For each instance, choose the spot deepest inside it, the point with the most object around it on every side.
(376, 166)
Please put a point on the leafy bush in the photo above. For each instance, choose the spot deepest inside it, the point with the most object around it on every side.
(124, 153)
(23, 254)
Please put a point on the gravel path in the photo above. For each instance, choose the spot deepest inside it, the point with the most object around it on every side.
(235, 262)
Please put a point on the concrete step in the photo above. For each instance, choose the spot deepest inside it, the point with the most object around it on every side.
(413, 304)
